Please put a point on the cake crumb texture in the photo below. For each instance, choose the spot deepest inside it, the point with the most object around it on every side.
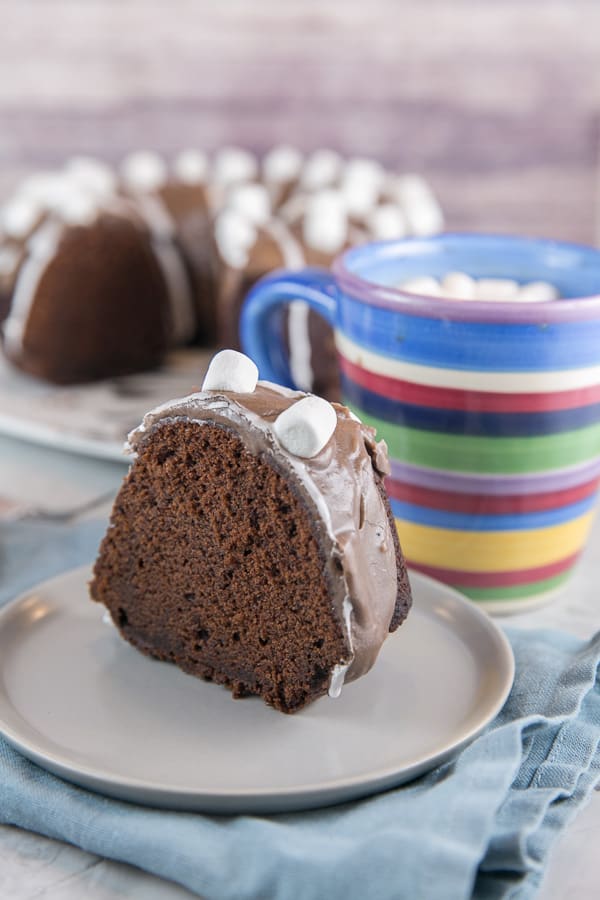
(215, 563)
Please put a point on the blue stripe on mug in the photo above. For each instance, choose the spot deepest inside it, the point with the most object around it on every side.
(436, 518)
(473, 423)
(475, 345)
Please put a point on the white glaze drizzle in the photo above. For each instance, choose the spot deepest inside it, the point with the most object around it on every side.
(169, 257)
(9, 258)
(338, 676)
(300, 349)
(41, 251)
(291, 250)
(19, 216)
(338, 673)
(300, 360)
(183, 320)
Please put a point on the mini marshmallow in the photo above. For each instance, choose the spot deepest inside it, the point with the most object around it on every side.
(459, 286)
(49, 189)
(360, 186)
(424, 285)
(191, 167)
(235, 236)
(252, 201)
(281, 164)
(231, 371)
(144, 171)
(19, 217)
(422, 211)
(305, 428)
(71, 202)
(386, 221)
(362, 170)
(232, 165)
(537, 292)
(76, 208)
(321, 169)
(93, 175)
(359, 198)
(325, 225)
(498, 289)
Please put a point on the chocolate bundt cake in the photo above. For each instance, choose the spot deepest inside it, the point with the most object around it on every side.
(252, 542)
(187, 239)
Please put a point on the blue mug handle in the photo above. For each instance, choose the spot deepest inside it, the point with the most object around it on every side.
(262, 313)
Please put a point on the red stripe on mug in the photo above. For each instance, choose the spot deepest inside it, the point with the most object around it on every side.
(470, 401)
(487, 504)
(496, 579)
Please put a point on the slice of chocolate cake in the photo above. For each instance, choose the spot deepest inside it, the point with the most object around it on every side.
(252, 542)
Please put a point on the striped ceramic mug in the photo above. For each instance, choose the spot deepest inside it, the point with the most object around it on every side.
(491, 410)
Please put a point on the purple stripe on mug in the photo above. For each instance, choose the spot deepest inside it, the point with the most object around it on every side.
(499, 484)
(399, 333)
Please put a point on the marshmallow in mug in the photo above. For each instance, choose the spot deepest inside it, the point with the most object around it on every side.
(461, 286)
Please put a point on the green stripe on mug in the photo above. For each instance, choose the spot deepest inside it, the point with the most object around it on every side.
(486, 455)
(514, 592)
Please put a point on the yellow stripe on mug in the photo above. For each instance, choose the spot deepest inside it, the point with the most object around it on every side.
(491, 551)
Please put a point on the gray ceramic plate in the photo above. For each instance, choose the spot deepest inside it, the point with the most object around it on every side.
(78, 700)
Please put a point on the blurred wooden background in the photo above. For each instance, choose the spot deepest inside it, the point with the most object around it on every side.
(496, 101)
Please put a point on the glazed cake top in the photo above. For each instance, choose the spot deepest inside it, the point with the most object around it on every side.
(337, 484)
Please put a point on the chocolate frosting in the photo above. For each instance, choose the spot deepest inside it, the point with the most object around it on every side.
(339, 486)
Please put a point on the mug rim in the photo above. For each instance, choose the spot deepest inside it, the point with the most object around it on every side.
(375, 294)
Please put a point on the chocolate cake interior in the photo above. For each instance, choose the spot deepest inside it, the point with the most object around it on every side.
(200, 516)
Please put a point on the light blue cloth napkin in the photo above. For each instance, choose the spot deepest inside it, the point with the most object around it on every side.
(480, 826)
